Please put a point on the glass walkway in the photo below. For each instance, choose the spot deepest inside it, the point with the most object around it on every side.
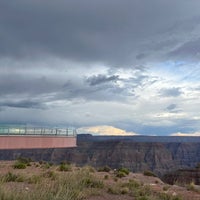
(26, 137)
(26, 130)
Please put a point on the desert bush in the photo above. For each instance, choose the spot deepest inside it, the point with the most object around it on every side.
(122, 172)
(106, 177)
(91, 182)
(46, 165)
(34, 179)
(89, 168)
(124, 190)
(24, 160)
(64, 167)
(132, 184)
(165, 196)
(19, 165)
(104, 169)
(42, 162)
(113, 190)
(50, 174)
(11, 177)
(149, 173)
(191, 187)
(115, 179)
(166, 187)
(143, 198)
(22, 163)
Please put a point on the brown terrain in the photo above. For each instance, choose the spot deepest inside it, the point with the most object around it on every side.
(114, 188)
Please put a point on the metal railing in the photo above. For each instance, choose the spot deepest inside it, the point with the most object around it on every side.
(26, 130)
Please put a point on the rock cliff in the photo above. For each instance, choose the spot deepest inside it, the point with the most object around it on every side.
(183, 176)
(159, 157)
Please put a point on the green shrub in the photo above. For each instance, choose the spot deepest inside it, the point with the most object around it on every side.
(19, 165)
(115, 179)
(89, 169)
(132, 184)
(124, 190)
(192, 187)
(64, 167)
(50, 174)
(22, 163)
(46, 166)
(124, 170)
(113, 190)
(104, 169)
(120, 174)
(24, 160)
(106, 177)
(166, 187)
(165, 196)
(143, 198)
(149, 173)
(34, 179)
(41, 162)
(91, 182)
(10, 177)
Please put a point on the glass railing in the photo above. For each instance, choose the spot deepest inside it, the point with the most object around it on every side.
(26, 130)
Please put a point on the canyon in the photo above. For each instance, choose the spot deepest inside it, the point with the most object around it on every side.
(160, 155)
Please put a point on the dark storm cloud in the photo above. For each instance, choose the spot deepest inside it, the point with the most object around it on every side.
(17, 84)
(112, 31)
(106, 87)
(16, 89)
(171, 92)
(22, 104)
(189, 50)
(100, 79)
(171, 107)
(100, 90)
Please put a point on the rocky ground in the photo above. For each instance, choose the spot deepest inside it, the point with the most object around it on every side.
(114, 188)
(155, 184)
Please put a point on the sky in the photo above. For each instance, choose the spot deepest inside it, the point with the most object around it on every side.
(117, 66)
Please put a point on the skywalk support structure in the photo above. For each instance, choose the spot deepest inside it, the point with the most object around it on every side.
(24, 137)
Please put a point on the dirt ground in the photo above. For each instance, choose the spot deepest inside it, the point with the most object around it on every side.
(154, 183)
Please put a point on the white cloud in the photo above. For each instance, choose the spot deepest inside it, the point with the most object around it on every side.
(186, 134)
(104, 130)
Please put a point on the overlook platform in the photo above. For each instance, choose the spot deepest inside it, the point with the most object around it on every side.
(13, 137)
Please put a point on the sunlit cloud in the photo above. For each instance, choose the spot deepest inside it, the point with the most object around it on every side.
(186, 134)
(104, 130)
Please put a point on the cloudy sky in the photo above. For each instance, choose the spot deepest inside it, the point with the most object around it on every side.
(129, 64)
